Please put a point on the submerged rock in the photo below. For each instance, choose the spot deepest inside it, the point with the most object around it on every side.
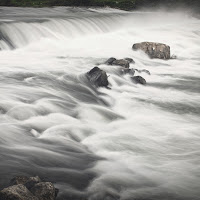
(98, 77)
(125, 63)
(128, 71)
(139, 80)
(154, 50)
(25, 188)
(143, 70)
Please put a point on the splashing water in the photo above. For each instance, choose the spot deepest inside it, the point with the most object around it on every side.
(130, 142)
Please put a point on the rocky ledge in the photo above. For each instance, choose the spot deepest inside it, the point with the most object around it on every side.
(29, 188)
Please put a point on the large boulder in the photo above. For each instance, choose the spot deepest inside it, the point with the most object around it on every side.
(29, 188)
(154, 50)
(97, 77)
(138, 80)
(17, 192)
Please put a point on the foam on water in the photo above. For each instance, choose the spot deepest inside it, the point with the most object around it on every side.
(130, 142)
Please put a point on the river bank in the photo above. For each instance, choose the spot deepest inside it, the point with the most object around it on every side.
(120, 4)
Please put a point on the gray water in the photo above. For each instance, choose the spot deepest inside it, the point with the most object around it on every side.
(132, 142)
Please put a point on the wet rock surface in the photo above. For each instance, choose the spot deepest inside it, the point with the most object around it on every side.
(154, 50)
(25, 188)
(97, 77)
(122, 62)
(125, 63)
(138, 80)
(110, 61)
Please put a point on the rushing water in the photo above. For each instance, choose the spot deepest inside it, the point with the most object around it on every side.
(131, 142)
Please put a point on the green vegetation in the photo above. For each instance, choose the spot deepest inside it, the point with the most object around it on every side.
(40, 3)
(123, 4)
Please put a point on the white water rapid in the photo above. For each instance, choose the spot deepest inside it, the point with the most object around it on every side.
(131, 142)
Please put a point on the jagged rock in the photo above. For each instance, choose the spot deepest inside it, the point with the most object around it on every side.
(110, 61)
(44, 191)
(154, 50)
(32, 188)
(32, 181)
(98, 77)
(28, 182)
(138, 79)
(122, 62)
(19, 180)
(17, 192)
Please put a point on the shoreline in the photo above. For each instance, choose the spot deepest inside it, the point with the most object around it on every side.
(126, 5)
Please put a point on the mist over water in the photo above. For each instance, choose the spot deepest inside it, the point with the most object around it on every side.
(131, 142)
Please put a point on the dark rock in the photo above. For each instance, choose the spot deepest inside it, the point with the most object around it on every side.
(32, 188)
(98, 77)
(19, 180)
(127, 71)
(17, 192)
(130, 60)
(138, 79)
(154, 50)
(122, 62)
(110, 61)
(44, 191)
(32, 181)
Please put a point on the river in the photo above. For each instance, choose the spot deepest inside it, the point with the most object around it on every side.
(131, 142)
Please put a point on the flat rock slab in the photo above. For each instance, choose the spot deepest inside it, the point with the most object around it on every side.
(154, 50)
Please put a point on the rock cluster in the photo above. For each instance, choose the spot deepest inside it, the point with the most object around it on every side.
(29, 188)
(99, 78)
